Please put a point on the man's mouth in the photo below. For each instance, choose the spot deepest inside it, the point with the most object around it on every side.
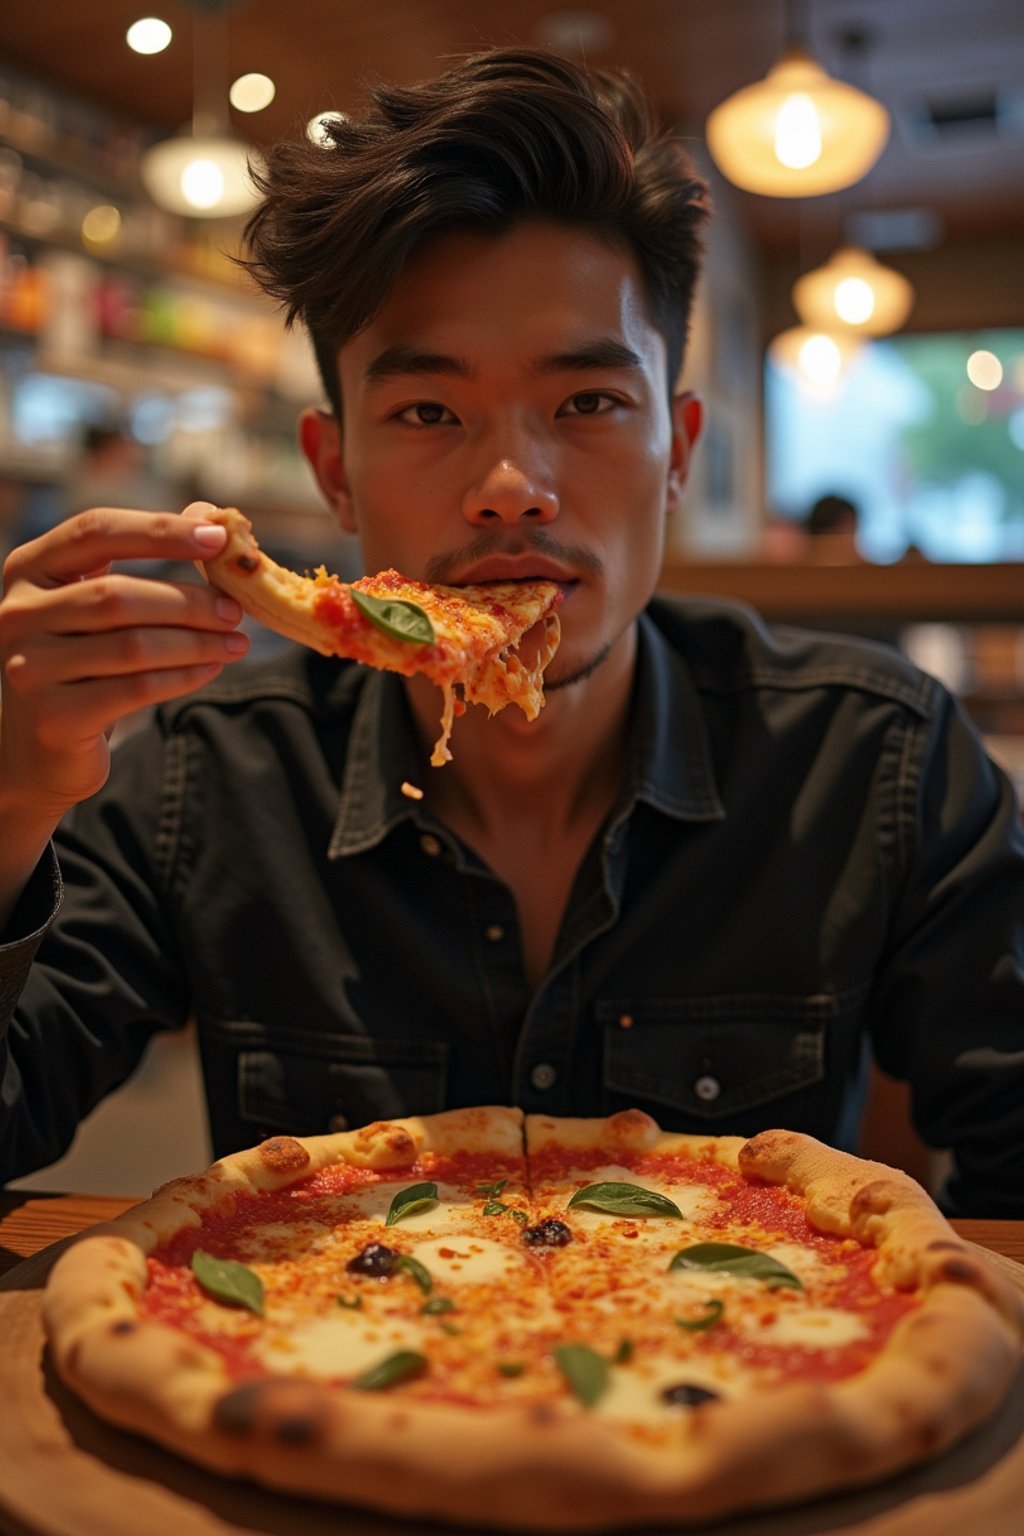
(515, 568)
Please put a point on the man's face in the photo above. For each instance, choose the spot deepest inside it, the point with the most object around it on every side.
(506, 415)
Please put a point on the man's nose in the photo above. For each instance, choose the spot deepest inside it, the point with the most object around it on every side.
(511, 488)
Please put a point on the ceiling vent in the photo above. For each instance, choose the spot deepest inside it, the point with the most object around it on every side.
(972, 119)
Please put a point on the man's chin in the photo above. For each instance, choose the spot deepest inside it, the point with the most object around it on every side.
(565, 671)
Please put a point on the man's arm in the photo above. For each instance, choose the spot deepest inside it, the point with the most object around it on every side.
(92, 967)
(950, 1000)
(82, 646)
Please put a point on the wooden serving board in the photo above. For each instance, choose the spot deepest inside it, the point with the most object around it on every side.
(63, 1472)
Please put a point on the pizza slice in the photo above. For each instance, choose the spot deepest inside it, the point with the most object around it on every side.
(463, 638)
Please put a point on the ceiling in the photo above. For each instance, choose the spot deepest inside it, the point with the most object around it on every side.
(950, 71)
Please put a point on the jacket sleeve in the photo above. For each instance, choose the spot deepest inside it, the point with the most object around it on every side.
(949, 1003)
(89, 969)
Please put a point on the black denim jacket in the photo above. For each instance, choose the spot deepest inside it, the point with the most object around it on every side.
(810, 850)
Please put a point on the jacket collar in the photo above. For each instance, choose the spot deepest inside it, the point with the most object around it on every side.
(669, 766)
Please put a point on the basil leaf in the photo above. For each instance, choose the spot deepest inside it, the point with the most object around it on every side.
(497, 1208)
(584, 1369)
(438, 1304)
(510, 1367)
(732, 1259)
(353, 1305)
(419, 1272)
(623, 1353)
(228, 1281)
(401, 1366)
(396, 617)
(494, 1190)
(715, 1308)
(418, 1197)
(625, 1200)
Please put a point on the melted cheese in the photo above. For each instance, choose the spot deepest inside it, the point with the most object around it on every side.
(805, 1327)
(467, 1260)
(342, 1344)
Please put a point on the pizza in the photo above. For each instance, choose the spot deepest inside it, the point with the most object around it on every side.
(463, 638)
(539, 1323)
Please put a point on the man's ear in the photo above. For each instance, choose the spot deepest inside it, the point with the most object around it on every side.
(687, 420)
(320, 440)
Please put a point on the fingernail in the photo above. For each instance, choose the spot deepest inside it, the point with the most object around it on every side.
(228, 610)
(236, 643)
(209, 535)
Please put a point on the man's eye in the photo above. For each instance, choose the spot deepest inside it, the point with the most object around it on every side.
(425, 413)
(591, 402)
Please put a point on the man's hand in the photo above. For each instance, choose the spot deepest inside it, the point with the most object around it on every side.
(81, 646)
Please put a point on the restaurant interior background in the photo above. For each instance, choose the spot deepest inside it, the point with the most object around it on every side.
(114, 310)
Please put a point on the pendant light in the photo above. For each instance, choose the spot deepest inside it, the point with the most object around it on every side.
(798, 132)
(203, 172)
(818, 357)
(854, 291)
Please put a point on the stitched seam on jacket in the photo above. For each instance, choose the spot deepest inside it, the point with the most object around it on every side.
(172, 801)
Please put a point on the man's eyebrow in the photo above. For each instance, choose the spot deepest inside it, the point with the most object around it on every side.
(605, 352)
(401, 361)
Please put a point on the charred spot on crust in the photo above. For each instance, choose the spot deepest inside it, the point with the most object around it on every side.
(283, 1154)
(290, 1412)
(942, 1244)
(235, 1412)
(124, 1325)
(873, 1200)
(247, 563)
(960, 1270)
(389, 1145)
(296, 1429)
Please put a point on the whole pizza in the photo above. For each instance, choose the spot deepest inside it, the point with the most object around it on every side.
(539, 1323)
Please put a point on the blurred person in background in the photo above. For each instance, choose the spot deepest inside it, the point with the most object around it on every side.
(112, 469)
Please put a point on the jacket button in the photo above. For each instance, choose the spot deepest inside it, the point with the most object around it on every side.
(337, 1123)
(543, 1075)
(430, 844)
(707, 1088)
(626, 1021)
(495, 932)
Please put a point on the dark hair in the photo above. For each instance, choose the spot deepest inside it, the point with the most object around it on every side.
(833, 514)
(503, 136)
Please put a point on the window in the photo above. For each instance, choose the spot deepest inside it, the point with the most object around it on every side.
(924, 433)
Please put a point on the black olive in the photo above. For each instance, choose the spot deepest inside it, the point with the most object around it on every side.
(686, 1395)
(375, 1259)
(548, 1234)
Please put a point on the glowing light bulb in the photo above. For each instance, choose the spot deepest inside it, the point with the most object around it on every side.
(984, 370)
(798, 132)
(820, 359)
(148, 35)
(202, 184)
(251, 93)
(854, 300)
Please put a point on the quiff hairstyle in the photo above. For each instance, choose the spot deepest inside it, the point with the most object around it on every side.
(504, 136)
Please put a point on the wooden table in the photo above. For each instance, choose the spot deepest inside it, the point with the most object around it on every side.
(87, 1479)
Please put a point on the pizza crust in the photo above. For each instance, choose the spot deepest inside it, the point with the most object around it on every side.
(945, 1368)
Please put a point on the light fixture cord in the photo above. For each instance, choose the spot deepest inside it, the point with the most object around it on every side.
(796, 25)
(209, 71)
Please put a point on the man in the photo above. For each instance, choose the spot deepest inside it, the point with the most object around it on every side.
(717, 864)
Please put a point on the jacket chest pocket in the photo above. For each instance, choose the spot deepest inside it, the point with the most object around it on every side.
(712, 1059)
(341, 1085)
